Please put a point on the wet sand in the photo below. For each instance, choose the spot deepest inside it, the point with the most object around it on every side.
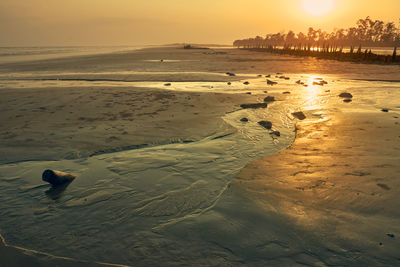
(21, 257)
(328, 199)
(71, 123)
(338, 183)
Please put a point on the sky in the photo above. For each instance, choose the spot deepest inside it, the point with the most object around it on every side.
(134, 22)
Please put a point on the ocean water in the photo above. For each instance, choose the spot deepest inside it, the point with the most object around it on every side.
(20, 54)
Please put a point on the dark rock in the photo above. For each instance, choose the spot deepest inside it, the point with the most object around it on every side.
(229, 83)
(385, 110)
(167, 84)
(276, 133)
(269, 82)
(298, 82)
(391, 235)
(347, 100)
(162, 60)
(266, 124)
(286, 93)
(269, 99)
(244, 119)
(268, 76)
(259, 75)
(346, 95)
(254, 105)
(300, 115)
(57, 177)
(246, 83)
(230, 74)
(249, 93)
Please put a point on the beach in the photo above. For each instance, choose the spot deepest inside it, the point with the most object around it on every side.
(169, 172)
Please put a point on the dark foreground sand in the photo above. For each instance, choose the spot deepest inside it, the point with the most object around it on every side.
(16, 256)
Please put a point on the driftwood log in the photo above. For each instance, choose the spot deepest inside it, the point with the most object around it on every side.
(57, 178)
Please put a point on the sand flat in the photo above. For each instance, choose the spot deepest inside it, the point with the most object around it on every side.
(80, 122)
(168, 173)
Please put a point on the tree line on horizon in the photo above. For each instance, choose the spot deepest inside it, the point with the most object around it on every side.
(366, 33)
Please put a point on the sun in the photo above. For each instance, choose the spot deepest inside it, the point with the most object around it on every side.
(318, 7)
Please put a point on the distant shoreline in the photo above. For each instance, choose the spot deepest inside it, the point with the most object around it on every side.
(366, 57)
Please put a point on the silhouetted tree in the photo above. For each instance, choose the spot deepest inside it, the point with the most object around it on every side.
(367, 32)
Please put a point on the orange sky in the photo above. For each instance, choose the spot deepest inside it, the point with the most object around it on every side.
(130, 22)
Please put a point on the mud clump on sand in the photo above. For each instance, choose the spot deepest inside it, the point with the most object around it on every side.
(346, 95)
(269, 99)
(254, 105)
(266, 124)
(299, 115)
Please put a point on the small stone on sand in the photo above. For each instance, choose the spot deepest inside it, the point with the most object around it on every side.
(266, 124)
(299, 115)
(269, 99)
(254, 105)
(346, 95)
(244, 119)
(276, 133)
